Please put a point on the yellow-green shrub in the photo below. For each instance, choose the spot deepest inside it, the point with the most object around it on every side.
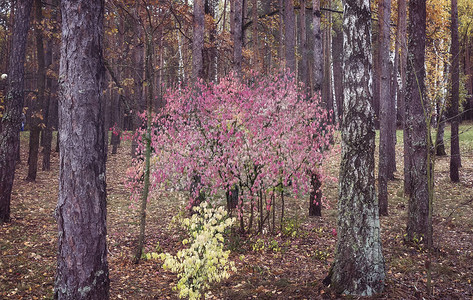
(205, 261)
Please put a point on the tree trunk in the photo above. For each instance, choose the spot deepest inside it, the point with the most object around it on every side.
(82, 268)
(37, 118)
(439, 142)
(318, 51)
(256, 47)
(315, 198)
(385, 104)
(337, 54)
(416, 128)
(289, 35)
(11, 121)
(47, 133)
(455, 161)
(149, 76)
(358, 268)
(401, 35)
(237, 35)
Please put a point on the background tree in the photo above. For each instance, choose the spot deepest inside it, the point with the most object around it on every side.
(358, 268)
(198, 41)
(290, 35)
(315, 197)
(37, 104)
(416, 130)
(455, 161)
(82, 268)
(237, 35)
(11, 120)
(386, 116)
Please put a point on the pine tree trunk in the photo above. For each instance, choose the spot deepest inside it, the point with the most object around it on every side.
(38, 103)
(11, 121)
(416, 128)
(358, 268)
(82, 268)
(455, 161)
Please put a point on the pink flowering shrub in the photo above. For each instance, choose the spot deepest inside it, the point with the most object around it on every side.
(261, 134)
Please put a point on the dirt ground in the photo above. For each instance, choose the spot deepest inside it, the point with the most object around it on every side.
(279, 266)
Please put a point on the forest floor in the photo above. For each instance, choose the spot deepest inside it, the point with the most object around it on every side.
(291, 265)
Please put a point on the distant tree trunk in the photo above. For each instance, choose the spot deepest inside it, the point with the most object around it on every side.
(358, 268)
(210, 52)
(455, 161)
(149, 77)
(11, 121)
(315, 197)
(37, 118)
(237, 35)
(304, 68)
(318, 51)
(376, 76)
(385, 141)
(289, 35)
(337, 54)
(439, 143)
(47, 133)
(401, 36)
(281, 32)
(255, 38)
(327, 65)
(138, 75)
(418, 205)
(82, 268)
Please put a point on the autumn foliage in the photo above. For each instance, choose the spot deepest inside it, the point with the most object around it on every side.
(261, 134)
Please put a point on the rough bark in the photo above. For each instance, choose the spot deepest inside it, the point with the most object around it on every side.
(37, 117)
(289, 35)
(11, 121)
(237, 35)
(358, 267)
(385, 102)
(455, 161)
(416, 128)
(82, 268)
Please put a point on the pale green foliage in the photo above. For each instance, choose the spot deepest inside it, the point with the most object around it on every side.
(205, 261)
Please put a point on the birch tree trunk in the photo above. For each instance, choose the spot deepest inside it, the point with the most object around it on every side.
(358, 268)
